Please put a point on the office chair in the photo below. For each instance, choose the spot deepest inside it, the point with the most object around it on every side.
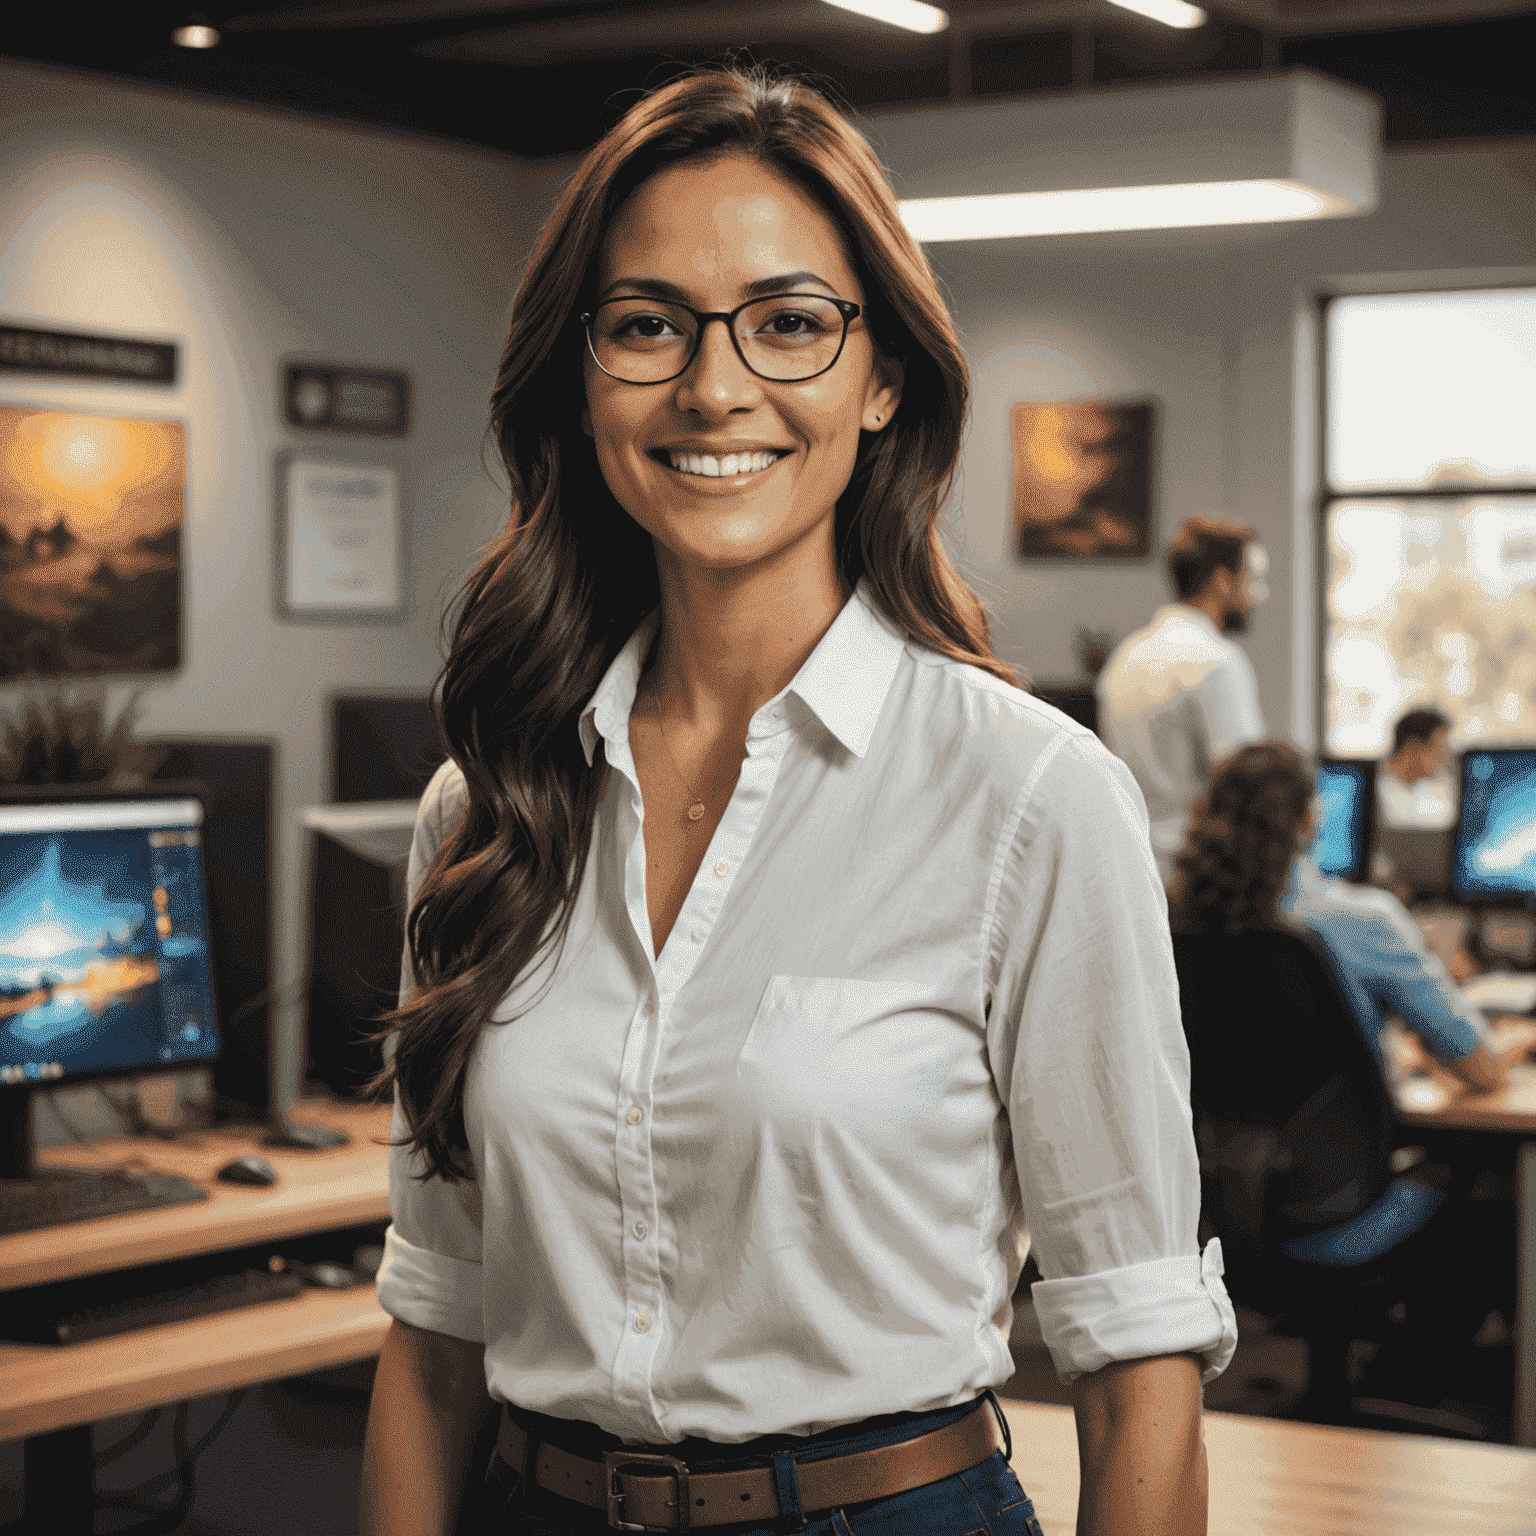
(1296, 1131)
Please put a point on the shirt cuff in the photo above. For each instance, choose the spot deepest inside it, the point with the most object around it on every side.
(430, 1290)
(1163, 1307)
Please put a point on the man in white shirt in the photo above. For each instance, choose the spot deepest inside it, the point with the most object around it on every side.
(1178, 696)
(1413, 786)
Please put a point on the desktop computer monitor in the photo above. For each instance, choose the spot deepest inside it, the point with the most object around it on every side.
(1346, 807)
(1495, 849)
(105, 968)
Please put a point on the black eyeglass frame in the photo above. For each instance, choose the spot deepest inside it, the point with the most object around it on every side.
(845, 307)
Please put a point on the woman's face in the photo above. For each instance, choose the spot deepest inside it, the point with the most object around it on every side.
(712, 234)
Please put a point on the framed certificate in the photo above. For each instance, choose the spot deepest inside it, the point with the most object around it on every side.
(340, 539)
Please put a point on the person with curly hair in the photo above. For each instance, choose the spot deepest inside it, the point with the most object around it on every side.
(1245, 865)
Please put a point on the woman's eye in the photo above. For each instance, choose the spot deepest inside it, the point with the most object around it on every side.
(645, 327)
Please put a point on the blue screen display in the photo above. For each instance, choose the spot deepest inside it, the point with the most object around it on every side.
(104, 956)
(1496, 841)
(1341, 789)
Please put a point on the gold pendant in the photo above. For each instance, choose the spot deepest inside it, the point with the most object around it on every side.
(695, 811)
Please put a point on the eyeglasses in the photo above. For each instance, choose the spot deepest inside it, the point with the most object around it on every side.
(786, 339)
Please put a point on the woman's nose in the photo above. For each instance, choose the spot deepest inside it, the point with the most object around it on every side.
(717, 380)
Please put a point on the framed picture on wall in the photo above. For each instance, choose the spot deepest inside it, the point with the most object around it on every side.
(91, 512)
(340, 539)
(1082, 480)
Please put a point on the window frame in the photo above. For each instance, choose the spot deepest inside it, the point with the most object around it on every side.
(1327, 494)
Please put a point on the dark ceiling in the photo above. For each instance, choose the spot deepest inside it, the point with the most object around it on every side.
(489, 73)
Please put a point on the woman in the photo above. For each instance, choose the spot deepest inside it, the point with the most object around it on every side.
(773, 960)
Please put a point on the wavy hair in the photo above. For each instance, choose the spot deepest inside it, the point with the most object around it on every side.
(558, 593)
(1242, 841)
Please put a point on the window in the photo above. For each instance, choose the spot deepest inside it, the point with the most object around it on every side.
(1429, 515)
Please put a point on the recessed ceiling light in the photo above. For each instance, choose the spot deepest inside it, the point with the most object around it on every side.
(196, 36)
(1172, 13)
(911, 14)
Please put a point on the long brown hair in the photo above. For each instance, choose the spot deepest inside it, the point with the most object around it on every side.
(1241, 843)
(570, 578)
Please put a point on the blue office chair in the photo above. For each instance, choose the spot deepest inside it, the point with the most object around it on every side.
(1296, 1131)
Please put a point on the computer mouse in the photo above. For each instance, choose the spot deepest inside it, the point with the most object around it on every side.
(334, 1277)
(250, 1169)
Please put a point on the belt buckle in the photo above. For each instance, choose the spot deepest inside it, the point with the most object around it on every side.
(616, 1461)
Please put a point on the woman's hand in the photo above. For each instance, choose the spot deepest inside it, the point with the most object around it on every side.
(1140, 1449)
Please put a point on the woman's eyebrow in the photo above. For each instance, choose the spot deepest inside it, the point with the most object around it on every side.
(660, 288)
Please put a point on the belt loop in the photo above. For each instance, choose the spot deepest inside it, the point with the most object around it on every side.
(786, 1483)
(1002, 1418)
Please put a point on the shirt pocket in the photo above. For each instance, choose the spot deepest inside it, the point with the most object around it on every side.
(874, 1051)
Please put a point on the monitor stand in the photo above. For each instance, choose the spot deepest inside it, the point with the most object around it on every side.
(16, 1146)
(282, 1131)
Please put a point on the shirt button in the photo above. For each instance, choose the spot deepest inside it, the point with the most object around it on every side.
(694, 937)
(642, 1323)
(775, 714)
(722, 868)
(650, 1008)
(635, 1115)
(641, 1229)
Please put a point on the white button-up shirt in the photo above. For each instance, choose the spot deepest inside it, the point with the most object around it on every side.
(777, 1179)
(1174, 698)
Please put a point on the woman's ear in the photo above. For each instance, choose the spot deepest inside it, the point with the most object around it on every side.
(884, 393)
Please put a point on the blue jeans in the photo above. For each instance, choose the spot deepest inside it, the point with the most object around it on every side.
(985, 1501)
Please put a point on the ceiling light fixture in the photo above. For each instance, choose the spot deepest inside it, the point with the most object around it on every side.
(1099, 209)
(911, 14)
(1172, 13)
(196, 35)
(1288, 145)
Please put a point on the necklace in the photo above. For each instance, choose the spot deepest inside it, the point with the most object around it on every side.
(696, 808)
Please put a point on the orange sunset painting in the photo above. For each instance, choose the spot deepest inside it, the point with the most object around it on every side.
(1082, 480)
(91, 509)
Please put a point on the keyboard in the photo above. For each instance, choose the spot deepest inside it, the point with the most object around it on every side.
(58, 1196)
(121, 1301)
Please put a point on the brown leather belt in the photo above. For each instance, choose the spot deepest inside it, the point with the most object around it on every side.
(644, 1491)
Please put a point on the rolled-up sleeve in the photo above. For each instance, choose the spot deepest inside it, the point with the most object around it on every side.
(1087, 1044)
(431, 1273)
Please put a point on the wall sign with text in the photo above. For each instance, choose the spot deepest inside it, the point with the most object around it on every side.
(26, 349)
(340, 539)
(328, 397)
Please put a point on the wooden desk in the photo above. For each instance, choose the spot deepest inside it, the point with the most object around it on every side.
(1270, 1478)
(50, 1390)
(1440, 1103)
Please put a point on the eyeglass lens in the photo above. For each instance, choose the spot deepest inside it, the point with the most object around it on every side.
(783, 338)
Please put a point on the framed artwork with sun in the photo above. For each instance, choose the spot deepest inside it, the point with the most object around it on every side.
(91, 512)
(1082, 480)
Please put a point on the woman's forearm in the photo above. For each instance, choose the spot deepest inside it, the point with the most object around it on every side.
(429, 1401)
(1140, 1449)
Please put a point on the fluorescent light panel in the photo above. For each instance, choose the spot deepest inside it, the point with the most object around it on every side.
(913, 15)
(1172, 13)
(1100, 209)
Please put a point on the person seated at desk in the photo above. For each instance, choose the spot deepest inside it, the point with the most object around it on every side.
(1413, 785)
(1260, 809)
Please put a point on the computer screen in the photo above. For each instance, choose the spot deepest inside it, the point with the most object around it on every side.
(104, 952)
(1344, 791)
(1496, 837)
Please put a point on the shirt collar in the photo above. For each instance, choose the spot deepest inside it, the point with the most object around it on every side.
(843, 682)
(845, 679)
(1183, 613)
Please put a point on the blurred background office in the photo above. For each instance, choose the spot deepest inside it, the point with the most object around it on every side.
(255, 267)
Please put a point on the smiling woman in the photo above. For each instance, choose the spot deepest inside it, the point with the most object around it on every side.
(777, 971)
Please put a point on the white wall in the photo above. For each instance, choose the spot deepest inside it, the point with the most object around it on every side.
(247, 235)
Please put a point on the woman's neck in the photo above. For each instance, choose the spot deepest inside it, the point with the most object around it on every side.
(730, 640)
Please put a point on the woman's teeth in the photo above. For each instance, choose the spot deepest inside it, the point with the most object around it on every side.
(730, 464)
